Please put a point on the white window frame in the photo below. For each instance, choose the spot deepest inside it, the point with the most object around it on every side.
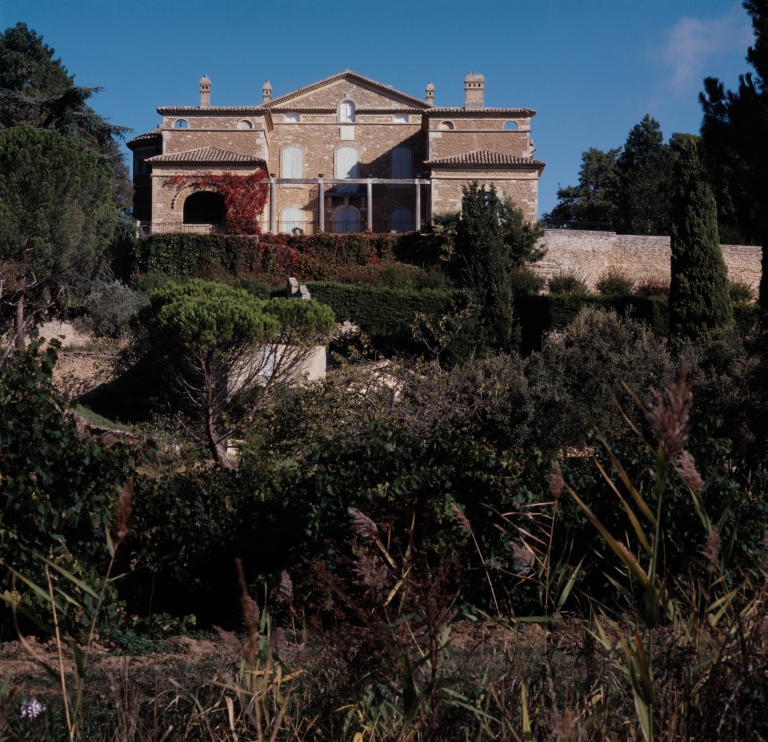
(347, 111)
(285, 172)
(402, 118)
(292, 118)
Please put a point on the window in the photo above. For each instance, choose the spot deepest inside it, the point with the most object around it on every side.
(401, 118)
(401, 163)
(181, 124)
(346, 219)
(291, 162)
(204, 207)
(511, 126)
(245, 125)
(347, 112)
(292, 221)
(446, 125)
(141, 166)
(346, 167)
(401, 221)
(292, 118)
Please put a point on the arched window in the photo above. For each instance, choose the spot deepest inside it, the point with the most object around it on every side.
(347, 112)
(446, 125)
(346, 219)
(204, 207)
(245, 125)
(290, 164)
(181, 124)
(401, 221)
(346, 167)
(401, 163)
(292, 221)
(511, 126)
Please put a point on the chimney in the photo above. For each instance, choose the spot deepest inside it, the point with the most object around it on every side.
(205, 92)
(474, 87)
(266, 90)
(430, 94)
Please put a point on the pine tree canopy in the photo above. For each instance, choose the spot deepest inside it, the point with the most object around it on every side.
(699, 300)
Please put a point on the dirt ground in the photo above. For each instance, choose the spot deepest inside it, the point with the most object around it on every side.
(79, 371)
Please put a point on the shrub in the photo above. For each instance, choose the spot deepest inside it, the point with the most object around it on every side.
(109, 307)
(741, 292)
(525, 282)
(567, 282)
(653, 286)
(615, 282)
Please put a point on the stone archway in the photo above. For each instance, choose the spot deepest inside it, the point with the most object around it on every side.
(205, 207)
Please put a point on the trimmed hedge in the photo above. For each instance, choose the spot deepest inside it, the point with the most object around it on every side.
(385, 315)
(307, 257)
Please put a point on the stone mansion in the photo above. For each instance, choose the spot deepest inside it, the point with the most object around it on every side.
(343, 155)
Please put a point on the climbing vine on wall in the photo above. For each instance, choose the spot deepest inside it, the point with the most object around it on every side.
(244, 196)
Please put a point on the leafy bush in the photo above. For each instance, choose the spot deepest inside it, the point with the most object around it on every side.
(58, 489)
(653, 286)
(109, 307)
(525, 282)
(567, 282)
(615, 282)
(741, 292)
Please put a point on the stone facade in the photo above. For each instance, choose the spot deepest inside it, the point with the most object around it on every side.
(344, 127)
(639, 257)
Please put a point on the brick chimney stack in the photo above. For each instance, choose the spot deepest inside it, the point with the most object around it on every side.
(430, 94)
(266, 91)
(205, 92)
(474, 89)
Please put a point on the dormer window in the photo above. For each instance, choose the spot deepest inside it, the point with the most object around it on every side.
(347, 112)
(181, 124)
(292, 118)
(401, 118)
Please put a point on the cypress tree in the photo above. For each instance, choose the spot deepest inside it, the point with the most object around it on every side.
(698, 299)
(487, 264)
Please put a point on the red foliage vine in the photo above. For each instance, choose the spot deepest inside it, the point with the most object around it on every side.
(244, 196)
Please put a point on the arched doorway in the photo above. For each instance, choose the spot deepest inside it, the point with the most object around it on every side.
(205, 207)
(346, 219)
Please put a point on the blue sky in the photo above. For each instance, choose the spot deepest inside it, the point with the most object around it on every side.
(591, 68)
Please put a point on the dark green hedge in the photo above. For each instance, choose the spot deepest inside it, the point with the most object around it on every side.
(385, 315)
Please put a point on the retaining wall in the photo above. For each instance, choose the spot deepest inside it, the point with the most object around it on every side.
(640, 257)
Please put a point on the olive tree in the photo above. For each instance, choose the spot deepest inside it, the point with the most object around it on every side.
(224, 351)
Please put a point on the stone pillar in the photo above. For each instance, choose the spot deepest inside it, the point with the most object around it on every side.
(369, 204)
(417, 217)
(272, 204)
(320, 203)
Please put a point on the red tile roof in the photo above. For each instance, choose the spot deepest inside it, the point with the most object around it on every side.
(478, 113)
(486, 158)
(148, 138)
(207, 155)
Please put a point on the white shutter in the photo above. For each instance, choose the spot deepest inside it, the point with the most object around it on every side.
(291, 162)
(290, 220)
(401, 162)
(346, 167)
(347, 112)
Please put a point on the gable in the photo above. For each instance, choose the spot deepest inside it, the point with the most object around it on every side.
(327, 94)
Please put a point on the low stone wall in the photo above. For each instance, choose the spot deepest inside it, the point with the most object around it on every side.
(640, 257)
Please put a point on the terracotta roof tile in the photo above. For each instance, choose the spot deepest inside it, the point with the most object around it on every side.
(475, 113)
(485, 157)
(149, 137)
(203, 155)
(353, 76)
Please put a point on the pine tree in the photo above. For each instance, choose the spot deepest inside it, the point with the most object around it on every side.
(487, 263)
(698, 300)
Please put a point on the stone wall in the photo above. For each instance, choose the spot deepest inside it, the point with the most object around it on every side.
(640, 257)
